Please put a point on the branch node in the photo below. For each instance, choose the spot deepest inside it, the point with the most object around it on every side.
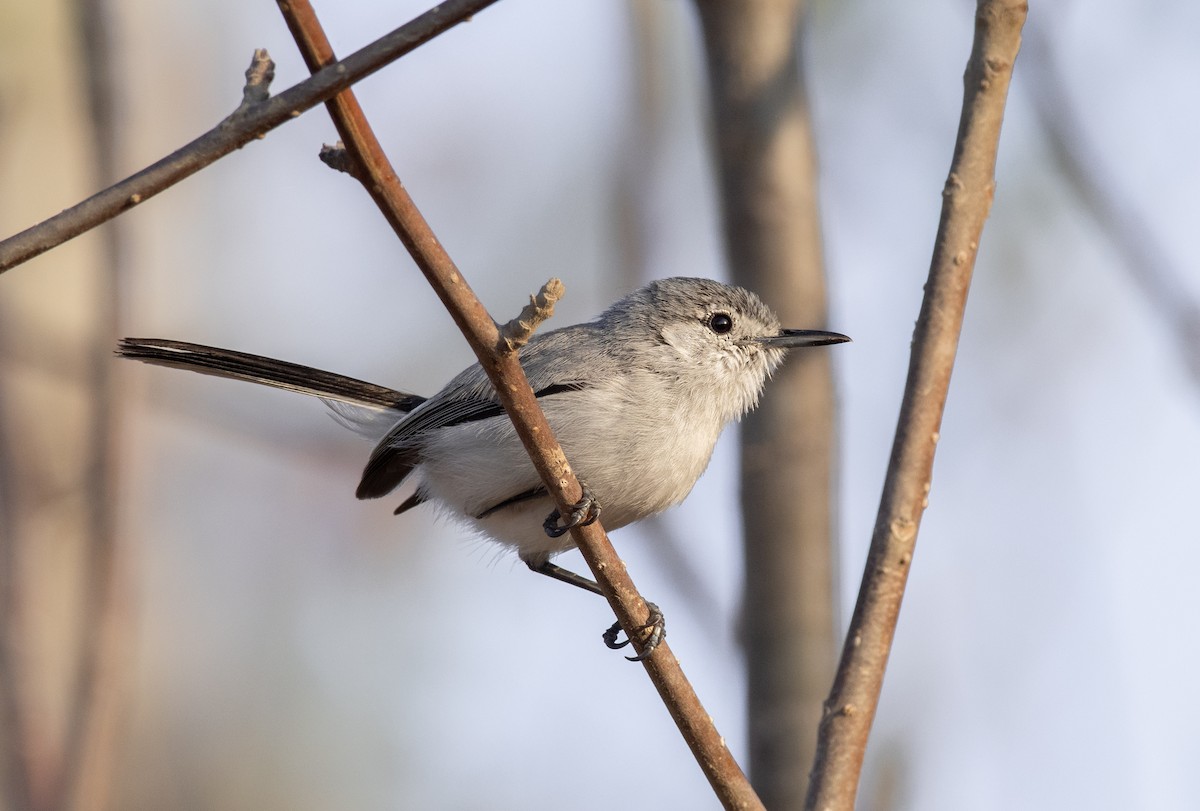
(516, 333)
(339, 158)
(259, 76)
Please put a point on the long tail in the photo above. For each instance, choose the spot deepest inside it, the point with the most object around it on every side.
(267, 372)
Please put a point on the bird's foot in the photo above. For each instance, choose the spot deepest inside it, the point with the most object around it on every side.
(585, 512)
(656, 624)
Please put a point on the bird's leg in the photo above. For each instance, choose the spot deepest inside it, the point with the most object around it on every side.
(656, 623)
(584, 512)
(563, 575)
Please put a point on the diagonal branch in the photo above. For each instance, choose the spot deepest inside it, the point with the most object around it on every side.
(967, 197)
(256, 116)
(501, 361)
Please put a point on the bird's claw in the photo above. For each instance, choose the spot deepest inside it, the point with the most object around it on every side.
(585, 512)
(656, 624)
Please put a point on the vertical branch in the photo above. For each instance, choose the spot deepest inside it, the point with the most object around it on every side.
(967, 198)
(89, 750)
(768, 181)
(366, 161)
(15, 789)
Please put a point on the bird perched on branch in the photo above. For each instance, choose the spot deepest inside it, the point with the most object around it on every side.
(637, 399)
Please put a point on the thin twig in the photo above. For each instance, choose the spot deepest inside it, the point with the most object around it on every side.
(259, 76)
(502, 364)
(967, 198)
(517, 332)
(335, 157)
(247, 123)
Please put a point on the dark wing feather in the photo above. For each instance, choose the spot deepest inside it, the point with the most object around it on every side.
(399, 452)
(414, 500)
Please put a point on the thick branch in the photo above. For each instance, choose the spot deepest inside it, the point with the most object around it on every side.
(256, 116)
(967, 198)
(500, 359)
(769, 204)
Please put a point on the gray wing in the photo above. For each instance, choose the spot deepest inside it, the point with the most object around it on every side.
(551, 370)
(399, 452)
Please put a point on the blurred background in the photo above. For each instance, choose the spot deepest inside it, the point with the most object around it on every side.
(273, 643)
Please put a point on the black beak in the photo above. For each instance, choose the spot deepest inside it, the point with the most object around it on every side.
(792, 338)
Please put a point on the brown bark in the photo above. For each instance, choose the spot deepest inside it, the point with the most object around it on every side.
(966, 200)
(498, 357)
(768, 182)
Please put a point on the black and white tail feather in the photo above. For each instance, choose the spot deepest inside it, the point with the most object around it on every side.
(279, 374)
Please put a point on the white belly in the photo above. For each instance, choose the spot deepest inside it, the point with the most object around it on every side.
(635, 467)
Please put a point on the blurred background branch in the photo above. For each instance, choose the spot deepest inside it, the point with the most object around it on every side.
(64, 658)
(96, 711)
(767, 168)
(277, 663)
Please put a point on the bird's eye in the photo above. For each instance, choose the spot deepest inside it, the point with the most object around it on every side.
(720, 323)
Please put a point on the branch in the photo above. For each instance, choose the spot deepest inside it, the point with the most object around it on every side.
(259, 76)
(86, 770)
(16, 760)
(256, 116)
(967, 197)
(766, 156)
(499, 358)
(517, 332)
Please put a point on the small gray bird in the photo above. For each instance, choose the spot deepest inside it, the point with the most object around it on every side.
(637, 398)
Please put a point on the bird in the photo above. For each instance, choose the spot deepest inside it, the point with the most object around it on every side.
(637, 398)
